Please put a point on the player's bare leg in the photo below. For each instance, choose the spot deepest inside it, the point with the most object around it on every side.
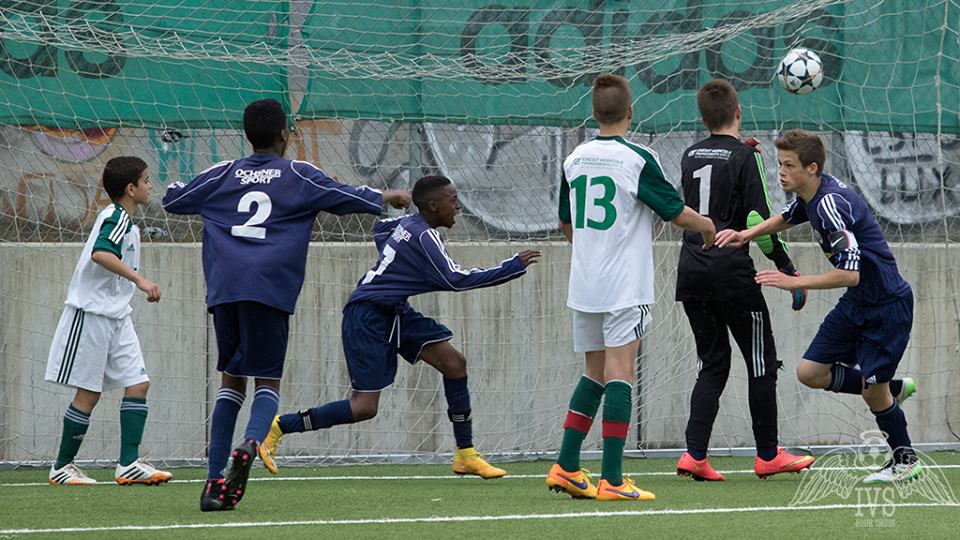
(814, 374)
(364, 405)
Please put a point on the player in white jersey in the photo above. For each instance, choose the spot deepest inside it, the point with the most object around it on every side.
(609, 195)
(95, 347)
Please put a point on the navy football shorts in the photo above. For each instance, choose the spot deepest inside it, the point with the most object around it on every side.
(251, 339)
(373, 335)
(873, 337)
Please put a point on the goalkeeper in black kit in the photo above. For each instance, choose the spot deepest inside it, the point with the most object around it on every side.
(723, 178)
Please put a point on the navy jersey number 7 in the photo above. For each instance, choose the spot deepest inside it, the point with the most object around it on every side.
(414, 260)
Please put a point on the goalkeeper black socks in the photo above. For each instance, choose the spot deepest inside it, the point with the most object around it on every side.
(766, 453)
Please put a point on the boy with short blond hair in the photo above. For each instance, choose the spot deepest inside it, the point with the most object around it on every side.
(610, 193)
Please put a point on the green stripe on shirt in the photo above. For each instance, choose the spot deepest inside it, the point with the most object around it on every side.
(108, 230)
(652, 186)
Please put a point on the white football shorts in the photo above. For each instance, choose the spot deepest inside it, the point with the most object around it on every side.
(598, 331)
(95, 353)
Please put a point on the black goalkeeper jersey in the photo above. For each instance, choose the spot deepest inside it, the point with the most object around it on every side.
(724, 178)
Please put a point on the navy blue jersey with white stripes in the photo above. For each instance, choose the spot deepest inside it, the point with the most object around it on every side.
(837, 210)
(413, 260)
(258, 213)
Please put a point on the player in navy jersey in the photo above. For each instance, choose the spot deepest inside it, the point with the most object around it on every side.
(379, 323)
(861, 341)
(723, 178)
(258, 213)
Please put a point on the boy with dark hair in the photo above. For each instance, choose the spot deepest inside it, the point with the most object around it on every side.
(861, 341)
(95, 346)
(379, 323)
(723, 177)
(258, 214)
(610, 192)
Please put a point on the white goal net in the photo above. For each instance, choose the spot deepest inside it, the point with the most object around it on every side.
(492, 95)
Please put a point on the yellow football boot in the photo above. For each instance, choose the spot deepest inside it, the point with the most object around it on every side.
(576, 484)
(469, 461)
(268, 448)
(627, 491)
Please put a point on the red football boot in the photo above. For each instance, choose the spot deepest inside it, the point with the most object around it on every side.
(698, 470)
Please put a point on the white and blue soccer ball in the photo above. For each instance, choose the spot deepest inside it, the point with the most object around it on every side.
(800, 71)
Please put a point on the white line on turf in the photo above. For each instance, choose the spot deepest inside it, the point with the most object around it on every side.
(463, 519)
(456, 477)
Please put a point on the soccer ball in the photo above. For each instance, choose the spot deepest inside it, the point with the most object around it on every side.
(800, 71)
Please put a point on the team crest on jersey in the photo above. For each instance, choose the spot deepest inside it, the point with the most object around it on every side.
(400, 234)
(256, 176)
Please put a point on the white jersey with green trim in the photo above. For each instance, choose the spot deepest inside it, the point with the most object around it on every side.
(93, 288)
(611, 191)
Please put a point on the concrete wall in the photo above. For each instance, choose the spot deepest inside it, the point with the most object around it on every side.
(516, 338)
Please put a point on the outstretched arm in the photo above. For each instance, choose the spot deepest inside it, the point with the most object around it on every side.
(188, 198)
(732, 238)
(452, 277)
(834, 279)
(397, 198)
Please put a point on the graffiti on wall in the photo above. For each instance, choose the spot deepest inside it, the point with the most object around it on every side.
(906, 178)
(507, 176)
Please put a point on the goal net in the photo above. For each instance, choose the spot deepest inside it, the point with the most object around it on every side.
(492, 95)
